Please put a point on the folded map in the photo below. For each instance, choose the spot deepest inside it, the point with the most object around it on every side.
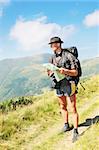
(55, 70)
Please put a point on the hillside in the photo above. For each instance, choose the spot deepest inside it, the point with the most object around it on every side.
(37, 126)
(25, 76)
(90, 67)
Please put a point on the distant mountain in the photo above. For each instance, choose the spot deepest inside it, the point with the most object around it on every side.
(26, 76)
(22, 76)
(90, 67)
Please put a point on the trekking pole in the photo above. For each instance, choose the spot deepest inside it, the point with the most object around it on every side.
(82, 86)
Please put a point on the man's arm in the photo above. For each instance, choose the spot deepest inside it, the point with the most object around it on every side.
(73, 71)
(68, 72)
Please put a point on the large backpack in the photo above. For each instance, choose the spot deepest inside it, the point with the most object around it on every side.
(73, 50)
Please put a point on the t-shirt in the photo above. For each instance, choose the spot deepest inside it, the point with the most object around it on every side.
(65, 60)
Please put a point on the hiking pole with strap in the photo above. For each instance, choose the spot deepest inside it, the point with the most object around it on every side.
(82, 86)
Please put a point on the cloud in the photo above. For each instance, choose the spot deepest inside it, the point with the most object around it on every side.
(35, 34)
(3, 3)
(1, 50)
(92, 19)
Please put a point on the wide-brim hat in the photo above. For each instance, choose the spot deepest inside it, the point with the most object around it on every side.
(55, 40)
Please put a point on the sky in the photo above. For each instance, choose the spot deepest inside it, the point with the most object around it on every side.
(26, 26)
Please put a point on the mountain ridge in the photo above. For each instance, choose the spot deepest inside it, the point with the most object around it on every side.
(26, 76)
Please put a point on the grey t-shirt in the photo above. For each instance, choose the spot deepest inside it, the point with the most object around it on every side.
(66, 60)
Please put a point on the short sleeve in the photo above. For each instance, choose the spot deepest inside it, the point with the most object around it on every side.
(72, 61)
(50, 60)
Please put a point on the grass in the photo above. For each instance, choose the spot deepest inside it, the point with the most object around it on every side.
(49, 143)
(28, 124)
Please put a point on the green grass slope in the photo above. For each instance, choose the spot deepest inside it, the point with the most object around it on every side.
(37, 125)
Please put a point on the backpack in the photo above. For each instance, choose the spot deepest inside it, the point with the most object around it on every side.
(73, 50)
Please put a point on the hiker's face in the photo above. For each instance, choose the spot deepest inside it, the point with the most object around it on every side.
(55, 46)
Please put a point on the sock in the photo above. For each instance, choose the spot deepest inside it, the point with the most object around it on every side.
(66, 124)
(75, 130)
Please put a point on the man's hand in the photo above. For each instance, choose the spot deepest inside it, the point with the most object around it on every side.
(49, 72)
(72, 72)
(63, 71)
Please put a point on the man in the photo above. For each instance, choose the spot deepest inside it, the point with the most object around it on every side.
(66, 88)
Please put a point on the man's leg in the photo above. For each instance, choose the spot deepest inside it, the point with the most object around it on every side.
(74, 110)
(63, 106)
(72, 104)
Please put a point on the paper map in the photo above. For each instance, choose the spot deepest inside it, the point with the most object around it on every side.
(55, 69)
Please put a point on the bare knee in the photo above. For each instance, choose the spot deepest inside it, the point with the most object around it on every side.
(63, 106)
(73, 110)
(62, 102)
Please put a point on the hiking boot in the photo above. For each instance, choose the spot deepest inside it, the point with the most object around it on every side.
(75, 136)
(66, 127)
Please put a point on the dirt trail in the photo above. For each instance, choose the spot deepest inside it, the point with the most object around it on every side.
(64, 142)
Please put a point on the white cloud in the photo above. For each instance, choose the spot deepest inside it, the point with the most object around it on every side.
(92, 19)
(3, 3)
(35, 34)
(1, 50)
